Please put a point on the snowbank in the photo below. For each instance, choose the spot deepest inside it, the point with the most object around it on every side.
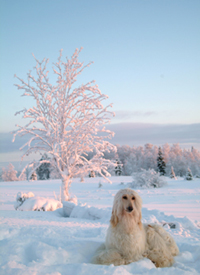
(83, 211)
(38, 243)
(28, 202)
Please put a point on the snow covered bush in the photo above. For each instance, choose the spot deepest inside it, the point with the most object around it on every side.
(28, 202)
(147, 179)
(9, 173)
(66, 122)
(21, 197)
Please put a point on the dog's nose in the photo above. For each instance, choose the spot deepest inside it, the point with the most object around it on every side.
(130, 209)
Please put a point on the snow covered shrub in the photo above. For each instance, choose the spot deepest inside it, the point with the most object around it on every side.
(189, 175)
(9, 174)
(147, 179)
(28, 202)
(21, 197)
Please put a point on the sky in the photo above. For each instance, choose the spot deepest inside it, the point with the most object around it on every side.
(146, 59)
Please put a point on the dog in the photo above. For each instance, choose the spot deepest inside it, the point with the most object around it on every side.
(128, 240)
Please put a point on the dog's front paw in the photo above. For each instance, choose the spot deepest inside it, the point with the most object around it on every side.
(127, 261)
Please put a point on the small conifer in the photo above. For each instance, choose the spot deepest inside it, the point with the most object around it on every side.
(161, 163)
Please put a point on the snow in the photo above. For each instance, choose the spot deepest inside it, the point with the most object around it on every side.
(39, 204)
(37, 242)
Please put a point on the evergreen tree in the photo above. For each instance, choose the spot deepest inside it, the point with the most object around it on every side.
(43, 171)
(33, 176)
(189, 175)
(161, 162)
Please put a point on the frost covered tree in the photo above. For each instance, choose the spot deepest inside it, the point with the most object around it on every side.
(161, 163)
(177, 160)
(66, 121)
(172, 175)
(9, 173)
(130, 165)
(150, 153)
(123, 153)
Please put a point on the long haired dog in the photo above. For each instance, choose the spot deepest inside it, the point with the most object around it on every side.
(128, 240)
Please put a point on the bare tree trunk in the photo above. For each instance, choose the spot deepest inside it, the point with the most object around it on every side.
(65, 189)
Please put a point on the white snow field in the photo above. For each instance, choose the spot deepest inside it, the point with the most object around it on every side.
(37, 242)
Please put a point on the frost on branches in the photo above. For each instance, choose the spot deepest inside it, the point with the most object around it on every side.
(9, 173)
(66, 121)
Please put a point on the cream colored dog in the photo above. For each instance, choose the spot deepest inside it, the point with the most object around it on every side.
(128, 240)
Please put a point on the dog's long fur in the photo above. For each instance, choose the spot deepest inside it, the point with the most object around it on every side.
(128, 240)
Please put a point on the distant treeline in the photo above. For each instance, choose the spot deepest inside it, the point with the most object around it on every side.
(132, 159)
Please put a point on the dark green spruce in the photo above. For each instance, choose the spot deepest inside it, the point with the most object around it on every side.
(161, 162)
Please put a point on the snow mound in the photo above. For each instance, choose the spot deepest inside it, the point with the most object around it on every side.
(28, 202)
(90, 213)
(170, 221)
(41, 243)
(84, 211)
(68, 207)
(21, 197)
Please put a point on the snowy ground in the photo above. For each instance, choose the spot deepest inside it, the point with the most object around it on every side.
(47, 243)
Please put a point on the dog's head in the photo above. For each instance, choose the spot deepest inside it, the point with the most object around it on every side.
(127, 203)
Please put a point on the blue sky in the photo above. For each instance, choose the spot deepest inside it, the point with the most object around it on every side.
(146, 57)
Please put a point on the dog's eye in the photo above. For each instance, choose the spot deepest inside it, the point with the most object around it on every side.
(133, 198)
(125, 197)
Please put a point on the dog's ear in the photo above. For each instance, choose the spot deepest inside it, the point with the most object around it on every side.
(140, 221)
(114, 219)
(138, 202)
